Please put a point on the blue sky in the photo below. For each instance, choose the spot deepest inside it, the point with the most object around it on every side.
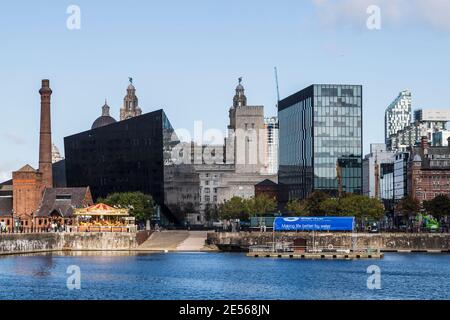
(186, 56)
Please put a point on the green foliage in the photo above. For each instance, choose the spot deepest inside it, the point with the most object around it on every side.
(320, 204)
(260, 205)
(235, 208)
(438, 207)
(408, 206)
(211, 212)
(243, 209)
(313, 203)
(362, 207)
(141, 206)
(332, 207)
(296, 207)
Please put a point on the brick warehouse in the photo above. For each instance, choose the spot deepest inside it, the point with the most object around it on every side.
(429, 171)
(24, 202)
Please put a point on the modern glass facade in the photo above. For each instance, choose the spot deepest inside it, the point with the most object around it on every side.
(130, 155)
(320, 133)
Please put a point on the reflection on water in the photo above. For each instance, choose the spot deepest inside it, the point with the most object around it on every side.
(125, 275)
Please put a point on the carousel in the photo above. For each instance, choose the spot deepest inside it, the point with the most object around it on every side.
(103, 218)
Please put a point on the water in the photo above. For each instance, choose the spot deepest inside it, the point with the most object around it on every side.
(222, 276)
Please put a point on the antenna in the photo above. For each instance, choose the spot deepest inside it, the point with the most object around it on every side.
(276, 82)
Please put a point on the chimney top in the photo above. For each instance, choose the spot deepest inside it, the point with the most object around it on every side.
(425, 145)
(45, 89)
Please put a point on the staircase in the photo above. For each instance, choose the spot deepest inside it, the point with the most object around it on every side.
(175, 240)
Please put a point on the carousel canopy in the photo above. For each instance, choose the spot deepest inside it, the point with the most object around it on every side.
(101, 209)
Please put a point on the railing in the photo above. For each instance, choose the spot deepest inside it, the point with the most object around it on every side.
(102, 229)
(289, 247)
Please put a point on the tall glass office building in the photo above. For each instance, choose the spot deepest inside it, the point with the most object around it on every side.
(320, 141)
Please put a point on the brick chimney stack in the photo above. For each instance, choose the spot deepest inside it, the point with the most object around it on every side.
(45, 138)
(424, 144)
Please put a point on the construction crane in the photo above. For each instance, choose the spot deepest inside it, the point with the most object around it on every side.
(276, 82)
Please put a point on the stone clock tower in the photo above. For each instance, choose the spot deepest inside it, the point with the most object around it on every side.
(130, 108)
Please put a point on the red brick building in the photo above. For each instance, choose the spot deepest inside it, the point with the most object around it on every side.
(268, 188)
(29, 202)
(429, 171)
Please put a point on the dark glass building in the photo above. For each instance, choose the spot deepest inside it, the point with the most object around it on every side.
(320, 141)
(130, 155)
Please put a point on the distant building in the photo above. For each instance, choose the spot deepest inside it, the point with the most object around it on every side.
(56, 155)
(397, 115)
(429, 171)
(105, 119)
(22, 200)
(271, 162)
(401, 175)
(427, 122)
(371, 168)
(267, 188)
(440, 138)
(320, 141)
(130, 106)
(233, 169)
(130, 155)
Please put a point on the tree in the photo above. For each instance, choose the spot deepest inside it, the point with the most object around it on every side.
(332, 207)
(141, 206)
(235, 208)
(408, 206)
(438, 207)
(313, 203)
(362, 207)
(260, 205)
(296, 207)
(211, 212)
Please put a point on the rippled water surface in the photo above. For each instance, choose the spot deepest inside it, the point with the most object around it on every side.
(222, 276)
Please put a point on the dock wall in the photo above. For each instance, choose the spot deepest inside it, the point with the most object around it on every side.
(240, 241)
(43, 242)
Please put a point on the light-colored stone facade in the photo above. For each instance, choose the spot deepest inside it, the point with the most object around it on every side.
(130, 106)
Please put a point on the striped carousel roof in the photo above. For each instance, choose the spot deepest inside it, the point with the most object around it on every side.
(101, 209)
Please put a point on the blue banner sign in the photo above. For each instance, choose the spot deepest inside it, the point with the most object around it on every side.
(314, 224)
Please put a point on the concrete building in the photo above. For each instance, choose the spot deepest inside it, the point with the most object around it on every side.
(401, 175)
(371, 168)
(397, 115)
(271, 160)
(233, 169)
(427, 122)
(130, 106)
(440, 138)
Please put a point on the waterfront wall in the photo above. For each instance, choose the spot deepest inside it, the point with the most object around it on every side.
(42, 242)
(230, 241)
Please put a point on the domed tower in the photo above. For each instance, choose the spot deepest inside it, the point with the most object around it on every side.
(239, 100)
(130, 106)
(244, 146)
(105, 119)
